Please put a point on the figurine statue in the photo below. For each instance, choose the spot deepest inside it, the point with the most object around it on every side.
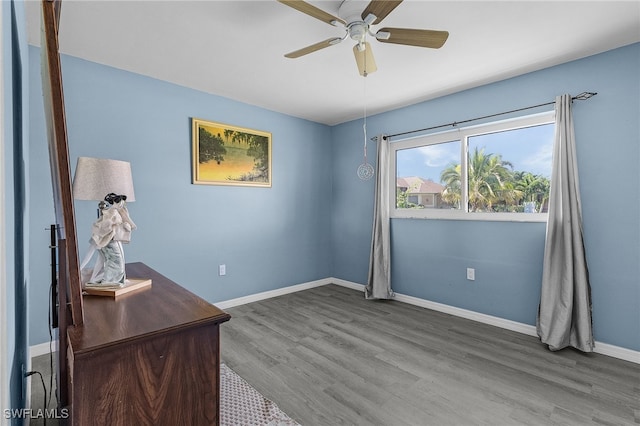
(109, 232)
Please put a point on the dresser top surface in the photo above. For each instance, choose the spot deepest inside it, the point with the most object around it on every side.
(160, 308)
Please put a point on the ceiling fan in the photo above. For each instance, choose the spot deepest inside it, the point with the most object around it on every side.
(357, 25)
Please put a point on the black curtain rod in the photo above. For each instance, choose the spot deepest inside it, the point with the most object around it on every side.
(581, 97)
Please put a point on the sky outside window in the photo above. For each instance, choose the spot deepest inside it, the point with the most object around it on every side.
(528, 149)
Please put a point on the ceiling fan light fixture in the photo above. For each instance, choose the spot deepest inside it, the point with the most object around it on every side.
(364, 58)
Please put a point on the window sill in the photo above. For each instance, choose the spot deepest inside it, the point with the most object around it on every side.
(455, 215)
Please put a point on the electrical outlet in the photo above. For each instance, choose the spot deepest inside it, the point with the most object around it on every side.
(471, 274)
(222, 270)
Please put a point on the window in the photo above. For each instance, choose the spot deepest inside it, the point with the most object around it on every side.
(494, 171)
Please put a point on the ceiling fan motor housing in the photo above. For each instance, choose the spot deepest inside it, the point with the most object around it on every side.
(358, 31)
(350, 11)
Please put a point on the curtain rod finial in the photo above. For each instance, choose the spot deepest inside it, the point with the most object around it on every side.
(585, 95)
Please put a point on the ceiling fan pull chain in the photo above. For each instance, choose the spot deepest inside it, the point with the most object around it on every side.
(365, 170)
(365, 140)
(364, 125)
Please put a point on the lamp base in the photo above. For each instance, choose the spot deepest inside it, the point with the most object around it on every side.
(131, 284)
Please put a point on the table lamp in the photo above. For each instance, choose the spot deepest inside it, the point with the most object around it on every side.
(110, 183)
(97, 177)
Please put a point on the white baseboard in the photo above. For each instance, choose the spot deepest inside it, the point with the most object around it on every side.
(348, 284)
(600, 348)
(272, 293)
(42, 349)
(470, 315)
(617, 352)
(451, 310)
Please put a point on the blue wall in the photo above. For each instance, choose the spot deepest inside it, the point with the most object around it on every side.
(15, 170)
(267, 237)
(315, 222)
(430, 257)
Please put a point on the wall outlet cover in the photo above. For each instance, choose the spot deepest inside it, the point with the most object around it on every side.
(471, 274)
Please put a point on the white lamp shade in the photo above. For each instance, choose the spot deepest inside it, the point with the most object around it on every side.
(97, 177)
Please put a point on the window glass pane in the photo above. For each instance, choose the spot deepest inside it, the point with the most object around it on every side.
(510, 171)
(419, 176)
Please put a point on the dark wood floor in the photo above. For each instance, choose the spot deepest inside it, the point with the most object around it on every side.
(326, 356)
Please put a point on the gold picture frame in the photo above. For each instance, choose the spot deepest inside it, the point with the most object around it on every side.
(229, 155)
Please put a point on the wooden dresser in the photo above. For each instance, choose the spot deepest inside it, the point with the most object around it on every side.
(149, 357)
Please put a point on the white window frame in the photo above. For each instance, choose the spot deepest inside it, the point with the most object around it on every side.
(462, 134)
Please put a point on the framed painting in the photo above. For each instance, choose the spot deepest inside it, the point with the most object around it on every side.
(230, 155)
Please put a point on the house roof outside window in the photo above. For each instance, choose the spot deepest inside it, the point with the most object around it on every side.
(418, 185)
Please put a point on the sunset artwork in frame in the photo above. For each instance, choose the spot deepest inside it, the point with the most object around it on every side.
(230, 155)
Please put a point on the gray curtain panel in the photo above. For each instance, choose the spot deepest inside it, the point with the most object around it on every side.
(379, 281)
(564, 314)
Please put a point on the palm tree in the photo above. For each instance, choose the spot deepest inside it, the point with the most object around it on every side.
(490, 181)
(534, 188)
(451, 178)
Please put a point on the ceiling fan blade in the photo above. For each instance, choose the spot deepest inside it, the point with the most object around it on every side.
(421, 38)
(309, 49)
(313, 11)
(364, 59)
(380, 8)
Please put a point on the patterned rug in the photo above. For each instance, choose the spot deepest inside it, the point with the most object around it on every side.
(242, 405)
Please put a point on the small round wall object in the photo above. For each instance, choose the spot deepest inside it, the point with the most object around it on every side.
(365, 171)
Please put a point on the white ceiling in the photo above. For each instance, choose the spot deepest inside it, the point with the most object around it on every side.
(235, 48)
